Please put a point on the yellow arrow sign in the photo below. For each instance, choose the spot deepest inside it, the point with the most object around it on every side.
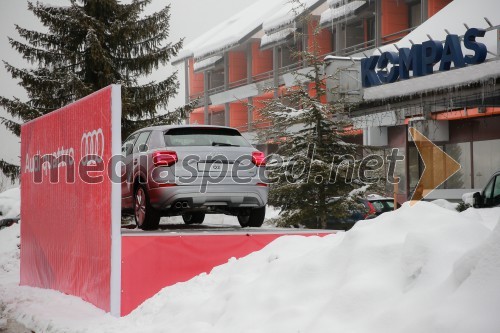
(438, 166)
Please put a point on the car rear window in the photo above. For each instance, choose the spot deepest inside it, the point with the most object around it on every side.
(204, 136)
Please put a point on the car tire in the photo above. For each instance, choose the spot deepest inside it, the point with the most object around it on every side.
(146, 217)
(254, 219)
(194, 218)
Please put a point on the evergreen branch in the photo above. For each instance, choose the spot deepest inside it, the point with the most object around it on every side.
(33, 54)
(175, 117)
(11, 125)
(152, 24)
(57, 19)
(39, 39)
(16, 108)
(10, 170)
(145, 63)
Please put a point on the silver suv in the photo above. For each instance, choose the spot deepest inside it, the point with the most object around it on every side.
(192, 171)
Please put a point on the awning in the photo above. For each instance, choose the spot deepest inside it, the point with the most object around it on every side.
(333, 14)
(208, 63)
(276, 38)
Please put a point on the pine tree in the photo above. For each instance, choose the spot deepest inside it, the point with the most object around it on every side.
(89, 45)
(316, 176)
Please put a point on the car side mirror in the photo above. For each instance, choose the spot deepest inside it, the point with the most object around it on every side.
(478, 200)
(143, 148)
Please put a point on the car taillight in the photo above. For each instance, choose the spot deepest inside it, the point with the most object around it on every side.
(371, 209)
(258, 158)
(164, 158)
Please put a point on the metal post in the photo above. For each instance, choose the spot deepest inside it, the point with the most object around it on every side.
(424, 11)
(498, 42)
(186, 86)
(249, 63)
(378, 23)
(205, 97)
(226, 88)
(395, 194)
(276, 71)
(339, 39)
(250, 113)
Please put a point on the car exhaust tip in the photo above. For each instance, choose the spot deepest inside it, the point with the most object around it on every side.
(185, 204)
(178, 205)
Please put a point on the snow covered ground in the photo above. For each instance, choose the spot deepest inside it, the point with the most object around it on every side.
(10, 203)
(423, 268)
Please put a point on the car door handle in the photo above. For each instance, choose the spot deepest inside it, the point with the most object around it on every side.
(135, 162)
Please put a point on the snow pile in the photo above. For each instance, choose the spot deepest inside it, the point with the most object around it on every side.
(445, 204)
(419, 269)
(10, 202)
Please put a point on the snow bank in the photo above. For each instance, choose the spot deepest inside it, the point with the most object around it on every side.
(418, 269)
(10, 203)
(445, 204)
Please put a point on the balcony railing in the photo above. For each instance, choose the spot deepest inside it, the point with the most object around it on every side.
(353, 49)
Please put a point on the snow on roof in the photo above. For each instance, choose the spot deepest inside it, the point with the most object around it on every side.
(333, 3)
(452, 17)
(270, 39)
(230, 32)
(207, 63)
(287, 14)
(439, 81)
(334, 13)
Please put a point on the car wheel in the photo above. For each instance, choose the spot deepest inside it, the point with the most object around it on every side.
(193, 218)
(254, 219)
(146, 217)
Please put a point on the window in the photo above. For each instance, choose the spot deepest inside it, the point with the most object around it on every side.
(413, 166)
(215, 78)
(334, 40)
(460, 152)
(488, 190)
(415, 14)
(204, 136)
(129, 144)
(496, 191)
(354, 34)
(142, 139)
(486, 161)
(370, 29)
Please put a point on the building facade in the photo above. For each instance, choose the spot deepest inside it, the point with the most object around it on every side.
(232, 69)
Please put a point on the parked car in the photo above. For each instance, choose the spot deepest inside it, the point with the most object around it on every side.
(369, 208)
(490, 195)
(175, 170)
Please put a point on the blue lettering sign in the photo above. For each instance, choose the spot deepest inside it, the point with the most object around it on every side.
(452, 53)
(478, 48)
(421, 59)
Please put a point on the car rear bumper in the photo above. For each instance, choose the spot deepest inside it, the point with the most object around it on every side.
(234, 196)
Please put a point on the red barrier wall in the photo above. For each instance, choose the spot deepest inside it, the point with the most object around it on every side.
(151, 261)
(66, 228)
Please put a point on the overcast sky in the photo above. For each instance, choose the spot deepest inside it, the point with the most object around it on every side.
(189, 18)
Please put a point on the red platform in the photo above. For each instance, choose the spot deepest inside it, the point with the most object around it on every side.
(154, 260)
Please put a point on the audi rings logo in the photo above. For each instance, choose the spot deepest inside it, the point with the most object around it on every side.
(92, 144)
